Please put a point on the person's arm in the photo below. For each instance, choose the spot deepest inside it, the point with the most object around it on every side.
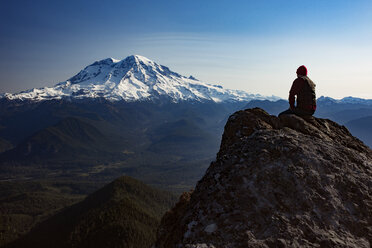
(295, 89)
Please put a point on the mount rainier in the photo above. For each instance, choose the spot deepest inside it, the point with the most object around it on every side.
(134, 78)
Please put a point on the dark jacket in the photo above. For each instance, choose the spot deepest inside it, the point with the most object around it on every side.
(304, 89)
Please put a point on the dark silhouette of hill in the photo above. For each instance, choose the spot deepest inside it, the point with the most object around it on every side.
(272, 107)
(278, 182)
(362, 127)
(69, 139)
(183, 134)
(23, 204)
(346, 115)
(124, 213)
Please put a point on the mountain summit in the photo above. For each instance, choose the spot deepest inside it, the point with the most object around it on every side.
(278, 182)
(134, 78)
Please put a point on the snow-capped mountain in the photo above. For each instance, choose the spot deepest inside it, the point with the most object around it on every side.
(346, 100)
(134, 78)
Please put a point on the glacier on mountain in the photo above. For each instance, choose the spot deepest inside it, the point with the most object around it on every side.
(134, 78)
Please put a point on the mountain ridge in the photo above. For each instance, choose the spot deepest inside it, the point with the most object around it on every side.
(68, 137)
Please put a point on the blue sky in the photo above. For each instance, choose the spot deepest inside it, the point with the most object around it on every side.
(249, 45)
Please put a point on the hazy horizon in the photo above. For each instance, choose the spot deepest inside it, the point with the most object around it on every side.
(249, 45)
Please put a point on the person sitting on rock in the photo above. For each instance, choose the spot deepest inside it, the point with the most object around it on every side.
(304, 89)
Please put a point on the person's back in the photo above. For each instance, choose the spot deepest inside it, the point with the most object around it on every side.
(303, 93)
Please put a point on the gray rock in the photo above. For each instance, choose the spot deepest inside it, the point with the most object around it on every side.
(292, 182)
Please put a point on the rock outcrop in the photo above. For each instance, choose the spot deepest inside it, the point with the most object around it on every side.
(278, 182)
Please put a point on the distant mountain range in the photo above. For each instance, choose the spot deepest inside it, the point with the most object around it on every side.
(160, 143)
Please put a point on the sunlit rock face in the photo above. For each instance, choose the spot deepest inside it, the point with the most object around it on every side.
(278, 182)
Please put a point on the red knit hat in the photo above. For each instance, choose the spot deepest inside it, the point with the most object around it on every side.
(302, 70)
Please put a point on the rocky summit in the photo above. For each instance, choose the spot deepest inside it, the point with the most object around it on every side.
(278, 182)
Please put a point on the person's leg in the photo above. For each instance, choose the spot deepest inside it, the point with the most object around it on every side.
(287, 112)
(301, 112)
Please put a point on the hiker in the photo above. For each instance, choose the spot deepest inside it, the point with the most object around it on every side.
(304, 89)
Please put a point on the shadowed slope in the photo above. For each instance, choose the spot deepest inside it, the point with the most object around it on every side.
(70, 138)
(124, 213)
(362, 128)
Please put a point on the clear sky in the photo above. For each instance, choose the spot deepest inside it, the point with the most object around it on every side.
(249, 45)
